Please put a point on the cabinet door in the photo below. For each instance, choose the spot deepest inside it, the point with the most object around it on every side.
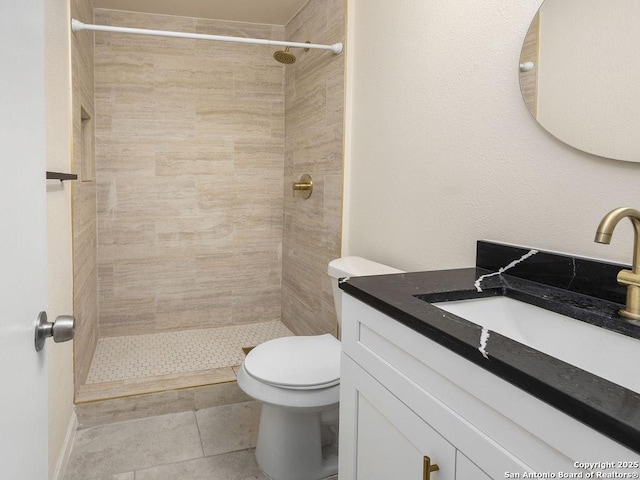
(467, 470)
(391, 441)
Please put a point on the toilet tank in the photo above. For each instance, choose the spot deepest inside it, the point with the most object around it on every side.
(353, 267)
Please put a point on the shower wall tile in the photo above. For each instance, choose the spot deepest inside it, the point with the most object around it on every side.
(240, 54)
(234, 116)
(85, 273)
(180, 311)
(277, 119)
(206, 69)
(314, 144)
(190, 147)
(261, 269)
(161, 22)
(124, 67)
(173, 163)
(135, 312)
(263, 155)
(138, 278)
(218, 193)
(182, 236)
(251, 303)
(154, 197)
(127, 156)
(86, 331)
(144, 114)
(262, 82)
(238, 29)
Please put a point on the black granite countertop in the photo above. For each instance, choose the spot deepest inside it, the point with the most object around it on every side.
(605, 406)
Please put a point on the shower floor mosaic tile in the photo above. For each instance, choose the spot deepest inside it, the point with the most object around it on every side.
(139, 356)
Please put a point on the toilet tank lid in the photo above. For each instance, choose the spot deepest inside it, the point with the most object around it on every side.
(358, 267)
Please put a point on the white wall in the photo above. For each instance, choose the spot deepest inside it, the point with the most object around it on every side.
(441, 150)
(59, 264)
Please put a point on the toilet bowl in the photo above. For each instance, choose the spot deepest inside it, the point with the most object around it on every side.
(297, 435)
(297, 379)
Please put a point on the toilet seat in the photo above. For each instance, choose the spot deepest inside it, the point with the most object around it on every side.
(296, 363)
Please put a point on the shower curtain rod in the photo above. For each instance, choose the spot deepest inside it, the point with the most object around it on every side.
(77, 26)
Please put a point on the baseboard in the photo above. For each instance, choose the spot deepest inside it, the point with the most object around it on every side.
(63, 459)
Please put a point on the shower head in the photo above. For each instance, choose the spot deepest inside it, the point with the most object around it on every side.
(284, 56)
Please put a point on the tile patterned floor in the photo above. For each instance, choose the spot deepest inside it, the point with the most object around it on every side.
(138, 356)
(214, 443)
(206, 444)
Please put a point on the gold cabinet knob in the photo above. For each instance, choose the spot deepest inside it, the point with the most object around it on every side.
(427, 468)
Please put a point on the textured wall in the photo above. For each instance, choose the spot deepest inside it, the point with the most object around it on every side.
(314, 138)
(85, 271)
(190, 144)
(443, 151)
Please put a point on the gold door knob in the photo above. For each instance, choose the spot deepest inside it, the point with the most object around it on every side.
(427, 468)
(305, 186)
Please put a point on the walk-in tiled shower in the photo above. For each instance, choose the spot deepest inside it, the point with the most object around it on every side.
(188, 245)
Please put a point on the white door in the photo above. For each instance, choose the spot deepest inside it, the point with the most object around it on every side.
(23, 275)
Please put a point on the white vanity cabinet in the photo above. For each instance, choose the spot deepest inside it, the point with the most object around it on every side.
(393, 441)
(405, 397)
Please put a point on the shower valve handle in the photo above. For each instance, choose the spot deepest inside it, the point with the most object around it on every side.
(304, 185)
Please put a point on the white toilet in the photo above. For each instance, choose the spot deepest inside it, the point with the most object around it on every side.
(297, 379)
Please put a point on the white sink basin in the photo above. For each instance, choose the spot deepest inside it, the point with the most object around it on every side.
(604, 353)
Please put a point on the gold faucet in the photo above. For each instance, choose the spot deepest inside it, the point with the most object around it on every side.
(630, 278)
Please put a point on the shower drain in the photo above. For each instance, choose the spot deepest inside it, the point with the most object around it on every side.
(246, 350)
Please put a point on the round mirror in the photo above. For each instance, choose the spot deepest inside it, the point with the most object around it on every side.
(580, 74)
